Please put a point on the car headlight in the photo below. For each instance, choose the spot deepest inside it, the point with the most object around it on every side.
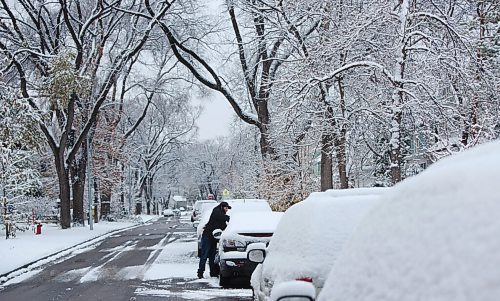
(233, 243)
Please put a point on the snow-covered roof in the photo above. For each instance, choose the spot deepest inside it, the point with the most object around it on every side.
(435, 236)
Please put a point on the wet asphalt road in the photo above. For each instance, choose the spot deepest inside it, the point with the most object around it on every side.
(119, 268)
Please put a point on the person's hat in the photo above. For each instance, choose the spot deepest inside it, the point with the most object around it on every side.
(225, 204)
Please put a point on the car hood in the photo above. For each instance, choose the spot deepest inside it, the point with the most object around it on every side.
(253, 223)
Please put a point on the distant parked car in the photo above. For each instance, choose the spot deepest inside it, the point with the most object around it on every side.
(197, 209)
(168, 212)
(309, 238)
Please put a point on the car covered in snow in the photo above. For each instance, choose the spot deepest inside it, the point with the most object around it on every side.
(237, 205)
(198, 208)
(168, 212)
(243, 229)
(309, 237)
(434, 236)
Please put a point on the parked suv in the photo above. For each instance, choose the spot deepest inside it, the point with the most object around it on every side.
(243, 229)
(237, 205)
(198, 209)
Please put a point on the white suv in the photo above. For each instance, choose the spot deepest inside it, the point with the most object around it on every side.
(198, 209)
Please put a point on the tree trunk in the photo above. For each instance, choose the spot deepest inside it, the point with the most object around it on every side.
(149, 193)
(471, 131)
(340, 139)
(96, 202)
(138, 208)
(105, 203)
(266, 149)
(340, 154)
(64, 189)
(326, 163)
(398, 95)
(78, 173)
(395, 148)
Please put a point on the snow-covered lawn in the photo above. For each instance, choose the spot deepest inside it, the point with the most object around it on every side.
(28, 247)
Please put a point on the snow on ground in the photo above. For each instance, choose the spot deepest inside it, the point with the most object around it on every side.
(28, 247)
(175, 264)
(199, 294)
(175, 260)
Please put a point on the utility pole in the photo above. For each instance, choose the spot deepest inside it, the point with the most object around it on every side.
(89, 180)
(6, 217)
(129, 190)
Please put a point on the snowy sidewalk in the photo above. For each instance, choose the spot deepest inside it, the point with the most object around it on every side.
(52, 244)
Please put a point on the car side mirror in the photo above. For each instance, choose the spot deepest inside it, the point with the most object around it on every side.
(293, 291)
(256, 256)
(256, 252)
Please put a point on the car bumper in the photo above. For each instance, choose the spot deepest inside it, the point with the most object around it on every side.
(237, 268)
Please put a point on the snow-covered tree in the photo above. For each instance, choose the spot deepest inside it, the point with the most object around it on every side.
(65, 58)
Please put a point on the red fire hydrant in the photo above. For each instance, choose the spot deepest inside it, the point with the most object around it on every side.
(38, 229)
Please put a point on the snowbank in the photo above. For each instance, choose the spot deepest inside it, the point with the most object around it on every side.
(28, 247)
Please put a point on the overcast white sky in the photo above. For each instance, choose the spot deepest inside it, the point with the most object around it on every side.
(215, 118)
(217, 114)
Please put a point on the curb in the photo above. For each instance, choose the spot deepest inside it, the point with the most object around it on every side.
(20, 270)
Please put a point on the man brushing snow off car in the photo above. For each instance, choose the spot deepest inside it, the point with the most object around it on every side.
(218, 220)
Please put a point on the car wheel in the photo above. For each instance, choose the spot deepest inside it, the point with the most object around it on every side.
(224, 281)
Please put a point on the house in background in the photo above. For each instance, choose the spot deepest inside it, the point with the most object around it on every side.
(179, 201)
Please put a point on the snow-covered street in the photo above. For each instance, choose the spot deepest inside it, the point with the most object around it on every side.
(155, 261)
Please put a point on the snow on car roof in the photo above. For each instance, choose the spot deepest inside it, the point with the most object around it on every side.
(198, 204)
(237, 205)
(353, 191)
(248, 205)
(435, 236)
(311, 234)
(254, 222)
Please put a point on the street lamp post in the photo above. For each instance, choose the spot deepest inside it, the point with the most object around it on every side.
(89, 179)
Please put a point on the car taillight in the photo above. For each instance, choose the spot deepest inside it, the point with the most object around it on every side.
(306, 279)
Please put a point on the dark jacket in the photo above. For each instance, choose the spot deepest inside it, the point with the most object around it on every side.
(218, 220)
